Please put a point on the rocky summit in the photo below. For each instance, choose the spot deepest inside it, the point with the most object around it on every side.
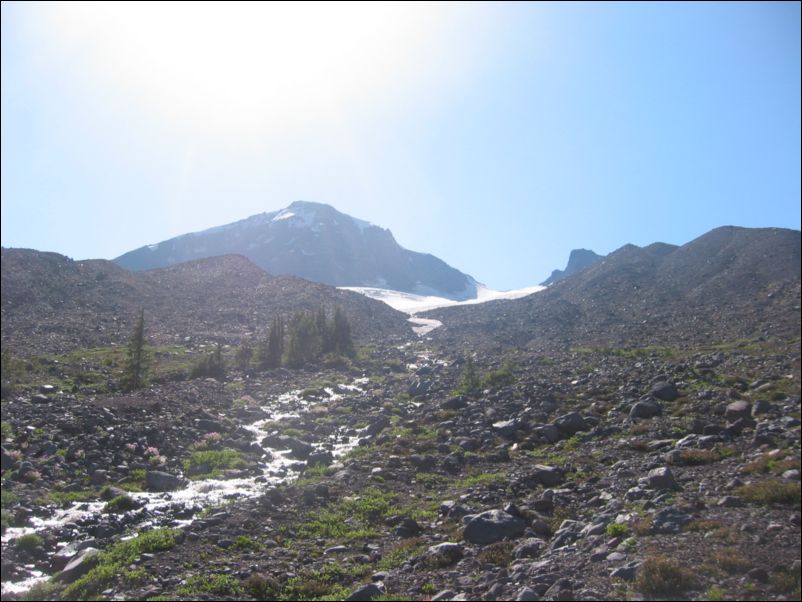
(631, 432)
(316, 242)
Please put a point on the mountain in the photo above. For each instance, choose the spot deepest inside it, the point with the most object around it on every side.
(577, 261)
(316, 242)
(54, 304)
(731, 283)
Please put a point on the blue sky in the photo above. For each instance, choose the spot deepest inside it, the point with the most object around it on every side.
(495, 136)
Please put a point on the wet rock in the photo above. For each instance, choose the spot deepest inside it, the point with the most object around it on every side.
(320, 458)
(156, 480)
(492, 526)
(79, 566)
(377, 426)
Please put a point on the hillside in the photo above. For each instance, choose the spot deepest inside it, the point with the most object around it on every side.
(727, 284)
(53, 304)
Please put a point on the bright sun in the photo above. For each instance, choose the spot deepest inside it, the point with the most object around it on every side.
(245, 65)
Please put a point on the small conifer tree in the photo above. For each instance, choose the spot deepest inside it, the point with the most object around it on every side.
(137, 363)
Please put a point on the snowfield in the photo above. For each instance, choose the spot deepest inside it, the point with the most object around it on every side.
(412, 304)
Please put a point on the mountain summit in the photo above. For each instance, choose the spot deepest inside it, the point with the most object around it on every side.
(316, 242)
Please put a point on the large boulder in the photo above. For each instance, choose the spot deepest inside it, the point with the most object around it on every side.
(156, 480)
(492, 526)
(571, 423)
(665, 391)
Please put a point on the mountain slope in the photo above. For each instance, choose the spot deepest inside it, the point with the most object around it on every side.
(53, 304)
(727, 284)
(316, 242)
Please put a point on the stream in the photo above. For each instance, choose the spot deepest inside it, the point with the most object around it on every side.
(182, 507)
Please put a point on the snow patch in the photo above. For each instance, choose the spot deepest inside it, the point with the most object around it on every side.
(411, 303)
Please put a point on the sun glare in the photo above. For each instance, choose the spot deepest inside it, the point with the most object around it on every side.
(245, 65)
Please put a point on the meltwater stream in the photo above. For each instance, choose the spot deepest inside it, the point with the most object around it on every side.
(278, 468)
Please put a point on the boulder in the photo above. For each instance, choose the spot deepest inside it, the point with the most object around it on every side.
(665, 391)
(571, 423)
(156, 480)
(492, 526)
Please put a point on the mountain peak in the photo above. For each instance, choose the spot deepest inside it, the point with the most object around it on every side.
(317, 242)
(578, 260)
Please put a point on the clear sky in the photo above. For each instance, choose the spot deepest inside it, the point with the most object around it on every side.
(495, 136)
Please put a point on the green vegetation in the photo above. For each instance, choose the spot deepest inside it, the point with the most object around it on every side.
(29, 542)
(470, 384)
(138, 358)
(715, 593)
(6, 430)
(114, 559)
(499, 378)
(770, 492)
(617, 530)
(324, 584)
(223, 585)
(121, 503)
(209, 463)
(659, 575)
(210, 365)
(771, 463)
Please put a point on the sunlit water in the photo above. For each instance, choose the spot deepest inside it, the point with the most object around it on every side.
(277, 468)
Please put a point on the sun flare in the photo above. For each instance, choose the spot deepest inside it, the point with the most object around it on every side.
(244, 65)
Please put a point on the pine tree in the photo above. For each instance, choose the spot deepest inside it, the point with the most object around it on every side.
(343, 343)
(470, 384)
(137, 357)
(274, 349)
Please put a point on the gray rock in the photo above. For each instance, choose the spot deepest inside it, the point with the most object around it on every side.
(79, 566)
(549, 432)
(526, 594)
(492, 526)
(645, 409)
(377, 426)
(446, 594)
(669, 520)
(738, 409)
(446, 553)
(408, 528)
(366, 592)
(571, 423)
(548, 476)
(628, 572)
(7, 460)
(661, 478)
(792, 474)
(665, 391)
(319, 458)
(506, 428)
(529, 548)
(156, 480)
(454, 403)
